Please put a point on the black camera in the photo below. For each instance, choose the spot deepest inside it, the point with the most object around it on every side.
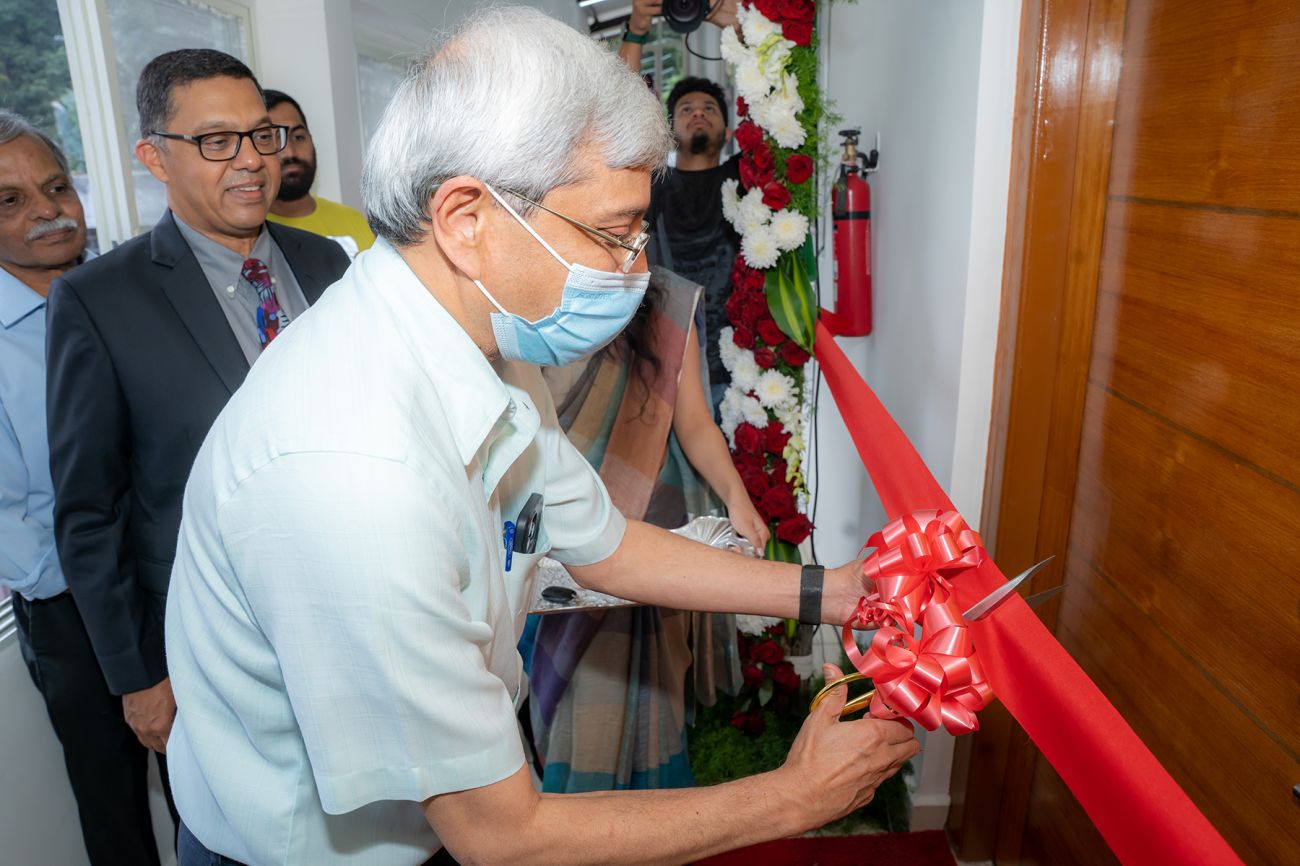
(685, 16)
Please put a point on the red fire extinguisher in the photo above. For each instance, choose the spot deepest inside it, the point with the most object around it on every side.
(851, 208)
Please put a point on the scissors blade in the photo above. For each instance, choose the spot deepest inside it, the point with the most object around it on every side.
(990, 602)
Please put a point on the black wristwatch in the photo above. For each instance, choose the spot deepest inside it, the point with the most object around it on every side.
(810, 594)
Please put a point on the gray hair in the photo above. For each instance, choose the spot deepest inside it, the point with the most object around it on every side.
(13, 125)
(509, 98)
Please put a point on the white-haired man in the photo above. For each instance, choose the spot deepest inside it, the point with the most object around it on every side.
(356, 550)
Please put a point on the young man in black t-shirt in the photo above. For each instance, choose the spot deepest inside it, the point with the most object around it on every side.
(688, 232)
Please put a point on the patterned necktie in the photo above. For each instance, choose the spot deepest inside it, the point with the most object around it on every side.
(270, 319)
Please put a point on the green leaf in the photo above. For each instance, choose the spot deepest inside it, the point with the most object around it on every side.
(765, 693)
(781, 551)
(790, 299)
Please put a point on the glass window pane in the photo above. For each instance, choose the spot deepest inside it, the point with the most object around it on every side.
(377, 78)
(143, 29)
(36, 83)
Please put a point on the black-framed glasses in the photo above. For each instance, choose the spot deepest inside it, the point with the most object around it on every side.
(634, 242)
(224, 146)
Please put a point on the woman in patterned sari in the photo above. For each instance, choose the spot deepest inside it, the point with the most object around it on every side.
(610, 699)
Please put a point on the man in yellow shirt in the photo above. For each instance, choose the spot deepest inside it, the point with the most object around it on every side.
(295, 205)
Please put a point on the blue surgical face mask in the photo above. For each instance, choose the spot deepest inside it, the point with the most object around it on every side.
(594, 308)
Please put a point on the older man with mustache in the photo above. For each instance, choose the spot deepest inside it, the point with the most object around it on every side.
(147, 343)
(42, 236)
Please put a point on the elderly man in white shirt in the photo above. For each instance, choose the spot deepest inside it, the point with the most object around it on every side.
(357, 548)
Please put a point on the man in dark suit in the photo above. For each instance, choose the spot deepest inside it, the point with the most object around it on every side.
(146, 344)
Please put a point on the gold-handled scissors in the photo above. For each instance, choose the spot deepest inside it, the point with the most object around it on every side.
(977, 611)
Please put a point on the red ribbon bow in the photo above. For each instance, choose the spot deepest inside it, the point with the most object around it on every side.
(935, 679)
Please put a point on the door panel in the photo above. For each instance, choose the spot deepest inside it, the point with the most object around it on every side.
(1210, 104)
(1160, 366)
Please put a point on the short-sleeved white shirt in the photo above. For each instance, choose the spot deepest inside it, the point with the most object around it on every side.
(341, 628)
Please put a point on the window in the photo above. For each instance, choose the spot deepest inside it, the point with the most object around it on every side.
(377, 78)
(143, 29)
(35, 82)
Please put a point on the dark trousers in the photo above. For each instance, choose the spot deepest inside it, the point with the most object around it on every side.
(107, 765)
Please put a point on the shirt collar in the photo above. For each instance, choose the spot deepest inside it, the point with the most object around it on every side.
(220, 258)
(473, 397)
(17, 300)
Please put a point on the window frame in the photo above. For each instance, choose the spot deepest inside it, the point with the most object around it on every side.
(110, 158)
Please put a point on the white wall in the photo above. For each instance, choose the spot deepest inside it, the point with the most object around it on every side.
(308, 48)
(936, 78)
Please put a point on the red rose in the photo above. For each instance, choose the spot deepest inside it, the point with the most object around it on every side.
(748, 136)
(798, 168)
(776, 630)
(743, 646)
(794, 529)
(745, 278)
(794, 355)
(755, 481)
(771, 333)
(754, 676)
(777, 503)
(798, 32)
(752, 176)
(748, 438)
(799, 10)
(734, 305)
(775, 195)
(743, 337)
(763, 158)
(771, 9)
(768, 652)
(753, 311)
(776, 473)
(742, 107)
(748, 723)
(775, 437)
(744, 461)
(786, 678)
(765, 358)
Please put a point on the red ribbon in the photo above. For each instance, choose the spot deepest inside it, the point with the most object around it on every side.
(936, 679)
(1142, 813)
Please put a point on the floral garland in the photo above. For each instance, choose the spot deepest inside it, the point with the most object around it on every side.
(771, 310)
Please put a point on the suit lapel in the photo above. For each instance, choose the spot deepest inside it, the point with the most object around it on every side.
(306, 268)
(187, 289)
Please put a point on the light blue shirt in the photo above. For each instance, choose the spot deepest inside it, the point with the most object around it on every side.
(29, 562)
(341, 628)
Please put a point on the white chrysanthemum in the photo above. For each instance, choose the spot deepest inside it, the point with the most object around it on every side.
(759, 247)
(755, 26)
(727, 348)
(730, 199)
(790, 228)
(788, 132)
(753, 411)
(751, 84)
(732, 51)
(751, 211)
(730, 411)
(749, 224)
(751, 624)
(746, 372)
(773, 59)
(775, 390)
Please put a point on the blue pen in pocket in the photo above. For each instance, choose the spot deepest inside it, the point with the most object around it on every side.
(508, 539)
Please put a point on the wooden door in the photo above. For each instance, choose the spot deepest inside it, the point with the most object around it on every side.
(1147, 417)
